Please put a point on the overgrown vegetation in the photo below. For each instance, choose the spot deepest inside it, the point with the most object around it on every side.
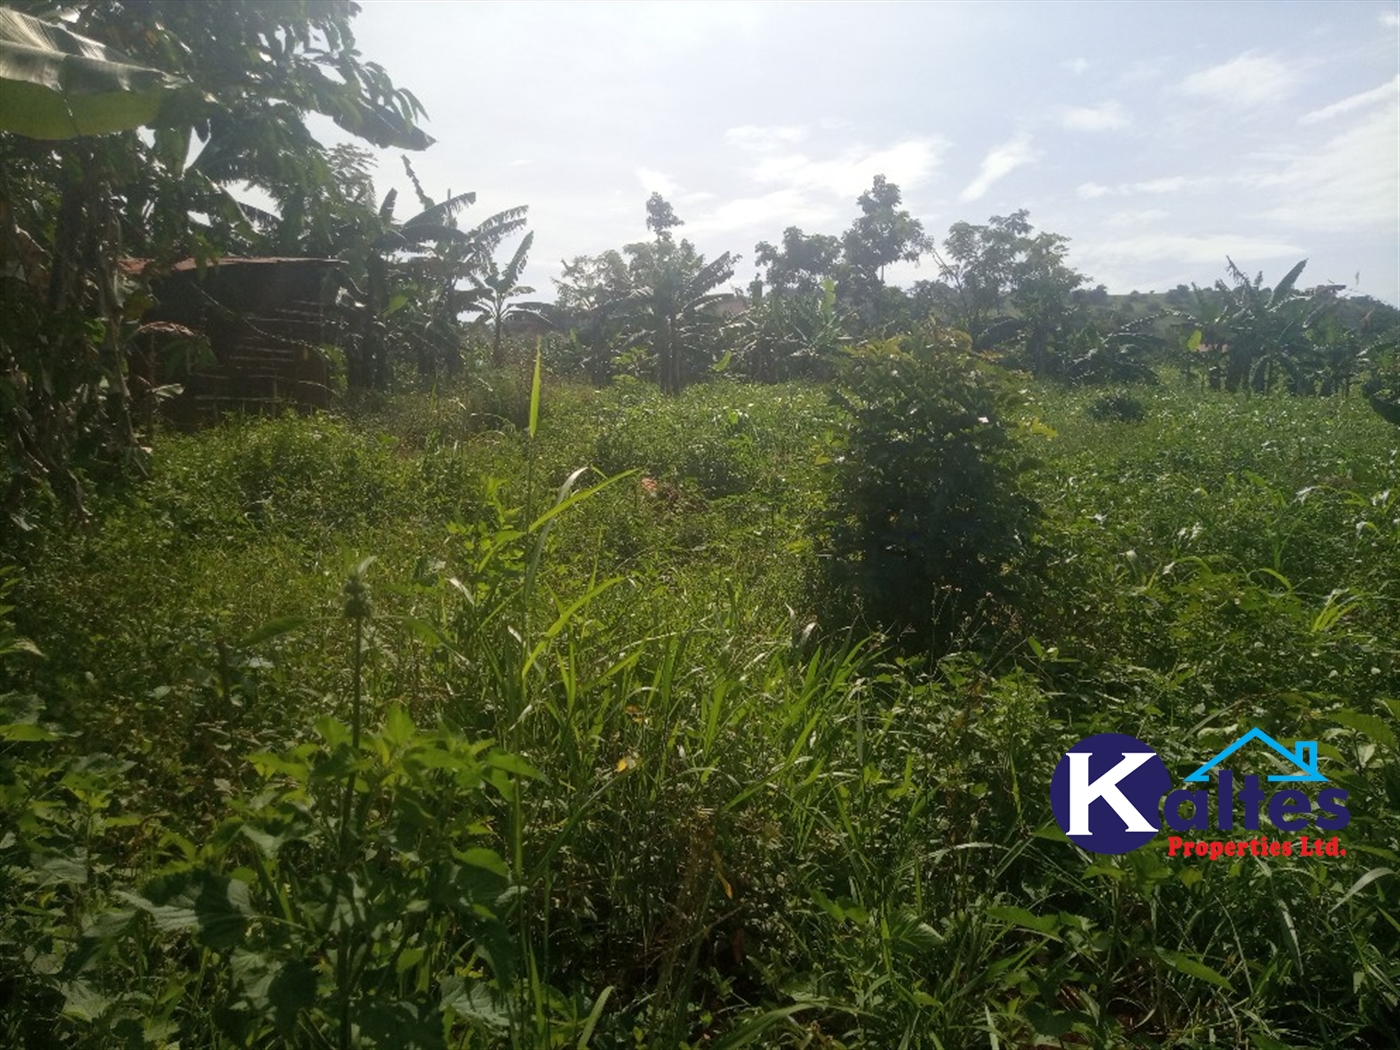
(578, 766)
(690, 673)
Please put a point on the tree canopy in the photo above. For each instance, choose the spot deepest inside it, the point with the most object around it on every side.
(227, 89)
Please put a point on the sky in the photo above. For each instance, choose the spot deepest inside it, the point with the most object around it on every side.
(1159, 137)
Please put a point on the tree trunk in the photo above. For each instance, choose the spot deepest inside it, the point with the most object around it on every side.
(498, 354)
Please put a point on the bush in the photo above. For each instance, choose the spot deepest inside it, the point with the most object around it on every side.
(1116, 408)
(299, 475)
(926, 520)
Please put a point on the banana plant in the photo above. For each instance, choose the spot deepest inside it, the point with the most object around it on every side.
(1258, 332)
(434, 252)
(60, 85)
(670, 301)
(493, 290)
(785, 333)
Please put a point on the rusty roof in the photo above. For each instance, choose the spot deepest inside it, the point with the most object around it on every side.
(136, 266)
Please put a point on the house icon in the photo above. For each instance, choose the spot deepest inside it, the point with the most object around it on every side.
(1304, 756)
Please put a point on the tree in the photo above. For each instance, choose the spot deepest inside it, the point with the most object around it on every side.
(670, 293)
(70, 208)
(661, 217)
(883, 234)
(801, 263)
(1042, 286)
(495, 288)
(673, 289)
(926, 519)
(1256, 332)
(785, 334)
(978, 262)
(59, 85)
(1008, 283)
(418, 261)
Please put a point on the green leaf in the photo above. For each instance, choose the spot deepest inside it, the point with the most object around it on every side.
(476, 1002)
(1361, 883)
(274, 628)
(535, 395)
(285, 990)
(408, 959)
(215, 907)
(59, 869)
(750, 1031)
(1046, 924)
(487, 859)
(1104, 870)
(512, 764)
(1192, 967)
(591, 1021)
(83, 1002)
(1368, 725)
(26, 732)
(398, 726)
(55, 84)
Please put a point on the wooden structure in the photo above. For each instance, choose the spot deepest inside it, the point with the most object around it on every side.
(263, 322)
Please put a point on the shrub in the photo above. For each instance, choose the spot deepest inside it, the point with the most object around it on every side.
(1116, 408)
(926, 518)
(300, 475)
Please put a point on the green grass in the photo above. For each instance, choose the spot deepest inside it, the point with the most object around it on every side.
(613, 788)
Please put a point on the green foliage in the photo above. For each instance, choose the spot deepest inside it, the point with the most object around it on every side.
(60, 85)
(70, 209)
(1251, 337)
(1010, 284)
(883, 234)
(570, 764)
(495, 288)
(788, 335)
(293, 475)
(1122, 355)
(928, 524)
(669, 303)
(1116, 408)
(801, 263)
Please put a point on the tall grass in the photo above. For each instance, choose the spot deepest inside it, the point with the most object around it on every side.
(575, 771)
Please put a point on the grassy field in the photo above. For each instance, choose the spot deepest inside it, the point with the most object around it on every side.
(443, 723)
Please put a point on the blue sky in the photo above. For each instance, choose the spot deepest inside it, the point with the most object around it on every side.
(1158, 137)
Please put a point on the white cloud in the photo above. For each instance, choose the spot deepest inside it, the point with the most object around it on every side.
(1191, 248)
(1173, 184)
(654, 181)
(754, 137)
(1170, 184)
(764, 214)
(797, 189)
(1128, 219)
(1244, 82)
(1107, 116)
(907, 164)
(1348, 183)
(1385, 93)
(1390, 19)
(1077, 66)
(999, 163)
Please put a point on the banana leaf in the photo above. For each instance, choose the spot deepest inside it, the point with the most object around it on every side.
(55, 84)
